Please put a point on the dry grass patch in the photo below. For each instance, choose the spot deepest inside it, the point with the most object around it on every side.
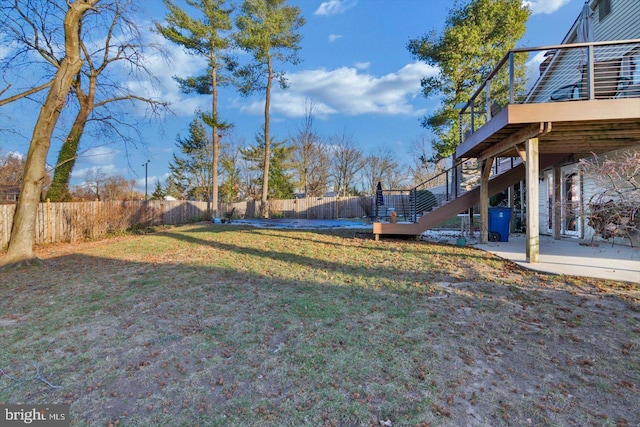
(219, 325)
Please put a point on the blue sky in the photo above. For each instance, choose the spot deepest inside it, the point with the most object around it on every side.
(355, 69)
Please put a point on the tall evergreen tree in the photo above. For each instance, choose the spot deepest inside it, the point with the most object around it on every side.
(207, 37)
(191, 171)
(477, 34)
(171, 188)
(281, 186)
(269, 30)
(158, 192)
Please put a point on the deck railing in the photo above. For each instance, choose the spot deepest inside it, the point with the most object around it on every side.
(580, 71)
(411, 204)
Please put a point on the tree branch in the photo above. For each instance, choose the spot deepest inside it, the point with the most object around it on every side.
(23, 94)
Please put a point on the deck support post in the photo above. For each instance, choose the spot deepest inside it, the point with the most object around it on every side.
(484, 200)
(511, 196)
(533, 193)
(557, 215)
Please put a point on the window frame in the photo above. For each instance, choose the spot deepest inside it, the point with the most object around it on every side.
(604, 9)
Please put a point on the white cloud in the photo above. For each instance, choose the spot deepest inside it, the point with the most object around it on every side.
(176, 63)
(545, 6)
(334, 37)
(348, 91)
(335, 7)
(4, 51)
(15, 154)
(98, 155)
(80, 175)
(362, 65)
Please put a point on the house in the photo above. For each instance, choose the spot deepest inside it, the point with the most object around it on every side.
(565, 192)
(9, 193)
(583, 100)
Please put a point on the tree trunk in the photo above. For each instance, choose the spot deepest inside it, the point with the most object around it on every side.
(23, 230)
(59, 189)
(214, 138)
(267, 144)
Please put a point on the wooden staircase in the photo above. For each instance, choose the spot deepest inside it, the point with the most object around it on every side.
(460, 204)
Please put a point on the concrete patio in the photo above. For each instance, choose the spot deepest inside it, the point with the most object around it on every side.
(564, 256)
(568, 256)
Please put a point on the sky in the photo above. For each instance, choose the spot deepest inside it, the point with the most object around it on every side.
(355, 69)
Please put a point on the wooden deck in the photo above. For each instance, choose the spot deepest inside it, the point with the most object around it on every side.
(602, 116)
(571, 127)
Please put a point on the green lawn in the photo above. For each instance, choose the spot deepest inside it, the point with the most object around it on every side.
(218, 325)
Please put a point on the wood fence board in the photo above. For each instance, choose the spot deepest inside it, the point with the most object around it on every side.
(74, 221)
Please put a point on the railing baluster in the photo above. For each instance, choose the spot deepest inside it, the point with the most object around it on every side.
(488, 99)
(590, 76)
(511, 78)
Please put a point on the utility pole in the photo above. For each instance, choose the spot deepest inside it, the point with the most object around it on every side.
(146, 174)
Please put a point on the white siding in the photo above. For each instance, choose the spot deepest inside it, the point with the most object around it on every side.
(542, 205)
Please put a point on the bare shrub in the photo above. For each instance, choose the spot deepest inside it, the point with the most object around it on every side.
(614, 209)
(365, 203)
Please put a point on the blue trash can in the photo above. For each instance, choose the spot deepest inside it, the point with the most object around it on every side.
(500, 222)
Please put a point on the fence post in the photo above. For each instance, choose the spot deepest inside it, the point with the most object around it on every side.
(49, 236)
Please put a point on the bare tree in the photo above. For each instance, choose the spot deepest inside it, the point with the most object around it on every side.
(424, 165)
(11, 169)
(110, 42)
(100, 186)
(24, 74)
(116, 188)
(96, 89)
(91, 188)
(22, 233)
(310, 157)
(347, 159)
(232, 188)
(381, 166)
(319, 174)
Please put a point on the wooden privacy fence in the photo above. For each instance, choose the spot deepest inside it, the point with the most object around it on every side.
(307, 208)
(70, 222)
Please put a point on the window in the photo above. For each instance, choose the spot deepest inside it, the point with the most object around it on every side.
(604, 9)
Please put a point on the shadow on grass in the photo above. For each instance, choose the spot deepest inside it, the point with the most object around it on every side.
(434, 255)
(124, 339)
(161, 340)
